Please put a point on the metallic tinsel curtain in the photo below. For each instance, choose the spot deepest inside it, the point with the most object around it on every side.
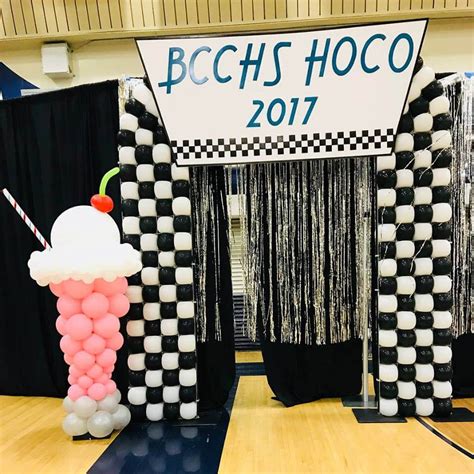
(307, 249)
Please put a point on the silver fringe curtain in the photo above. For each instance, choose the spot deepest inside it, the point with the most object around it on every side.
(306, 249)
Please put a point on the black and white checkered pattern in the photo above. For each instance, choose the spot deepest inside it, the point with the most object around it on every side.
(157, 221)
(362, 141)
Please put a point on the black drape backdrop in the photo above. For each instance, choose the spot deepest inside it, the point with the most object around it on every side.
(54, 149)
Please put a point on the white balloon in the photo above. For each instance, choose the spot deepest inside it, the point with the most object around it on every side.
(387, 303)
(187, 377)
(423, 123)
(423, 266)
(388, 372)
(422, 157)
(108, 404)
(137, 395)
(154, 378)
(165, 226)
(74, 425)
(183, 241)
(404, 142)
(147, 208)
(406, 109)
(187, 343)
(171, 394)
(442, 319)
(442, 284)
(404, 214)
(442, 389)
(150, 276)
(84, 407)
(406, 285)
(152, 344)
(441, 177)
(131, 225)
(184, 276)
(424, 337)
(404, 178)
(423, 231)
(424, 77)
(151, 107)
(134, 294)
(161, 153)
(424, 406)
(188, 411)
(163, 190)
(151, 311)
(169, 360)
(117, 395)
(179, 172)
(387, 267)
(442, 354)
(424, 373)
(136, 362)
(439, 105)
(386, 232)
(406, 355)
(121, 417)
(388, 407)
(185, 309)
(148, 242)
(406, 390)
(386, 197)
(145, 173)
(440, 139)
(127, 155)
(423, 195)
(136, 328)
(68, 405)
(386, 162)
(144, 137)
(404, 249)
(167, 293)
(142, 93)
(406, 320)
(414, 92)
(100, 424)
(424, 303)
(441, 248)
(169, 327)
(181, 206)
(128, 122)
(154, 411)
(129, 190)
(166, 259)
(442, 212)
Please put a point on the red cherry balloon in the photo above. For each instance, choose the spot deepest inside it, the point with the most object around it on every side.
(102, 202)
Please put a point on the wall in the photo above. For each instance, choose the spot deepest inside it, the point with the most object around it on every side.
(449, 46)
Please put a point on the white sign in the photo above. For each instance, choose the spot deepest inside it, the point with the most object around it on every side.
(283, 96)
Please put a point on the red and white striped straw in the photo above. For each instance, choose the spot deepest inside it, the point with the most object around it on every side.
(25, 218)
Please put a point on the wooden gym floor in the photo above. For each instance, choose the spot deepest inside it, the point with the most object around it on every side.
(262, 437)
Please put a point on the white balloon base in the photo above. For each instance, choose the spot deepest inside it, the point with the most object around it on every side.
(371, 415)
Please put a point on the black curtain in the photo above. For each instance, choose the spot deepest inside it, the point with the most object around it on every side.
(54, 149)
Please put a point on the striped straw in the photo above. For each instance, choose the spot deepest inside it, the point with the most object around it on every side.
(26, 219)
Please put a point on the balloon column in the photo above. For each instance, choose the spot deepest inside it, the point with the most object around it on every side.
(86, 269)
(414, 233)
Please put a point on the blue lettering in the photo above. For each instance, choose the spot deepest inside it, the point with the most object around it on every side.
(251, 62)
(194, 56)
(219, 78)
(343, 72)
(365, 68)
(172, 60)
(409, 40)
(278, 46)
(313, 58)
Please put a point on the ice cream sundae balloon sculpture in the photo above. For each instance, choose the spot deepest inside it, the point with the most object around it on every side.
(86, 268)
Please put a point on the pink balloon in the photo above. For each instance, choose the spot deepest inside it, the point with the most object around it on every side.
(75, 372)
(71, 380)
(95, 305)
(68, 306)
(85, 382)
(83, 360)
(111, 387)
(77, 289)
(115, 342)
(110, 369)
(61, 325)
(79, 327)
(106, 326)
(94, 344)
(119, 305)
(103, 379)
(74, 392)
(56, 289)
(68, 359)
(109, 288)
(97, 391)
(95, 371)
(107, 358)
(69, 346)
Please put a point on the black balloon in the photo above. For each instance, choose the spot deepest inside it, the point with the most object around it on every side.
(441, 194)
(134, 107)
(406, 124)
(405, 267)
(424, 390)
(180, 188)
(424, 355)
(148, 121)
(419, 106)
(136, 378)
(441, 158)
(166, 242)
(442, 266)
(387, 250)
(184, 292)
(148, 225)
(164, 207)
(442, 122)
(168, 310)
(169, 344)
(442, 407)
(423, 248)
(133, 240)
(135, 311)
(424, 284)
(187, 394)
(138, 412)
(442, 230)
(386, 179)
(130, 207)
(171, 377)
(135, 345)
(167, 276)
(135, 279)
(150, 258)
(186, 326)
(171, 411)
(182, 223)
(153, 328)
(442, 337)
(159, 136)
(128, 173)
(143, 155)
(146, 190)
(388, 355)
(151, 294)
(432, 90)
(443, 301)
(388, 390)
(405, 231)
(153, 361)
(423, 177)
(162, 172)
(154, 394)
(404, 160)
(443, 372)
(405, 196)
(126, 138)
(406, 337)
(423, 213)
(421, 141)
(406, 407)
(406, 373)
(424, 320)
(183, 258)
(387, 286)
(418, 64)
(187, 360)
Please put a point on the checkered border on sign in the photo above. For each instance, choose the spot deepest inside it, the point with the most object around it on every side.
(273, 146)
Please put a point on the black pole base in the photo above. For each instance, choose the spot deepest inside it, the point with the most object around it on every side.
(88, 437)
(371, 415)
(357, 401)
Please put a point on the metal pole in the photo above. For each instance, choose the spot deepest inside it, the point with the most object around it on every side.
(365, 322)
